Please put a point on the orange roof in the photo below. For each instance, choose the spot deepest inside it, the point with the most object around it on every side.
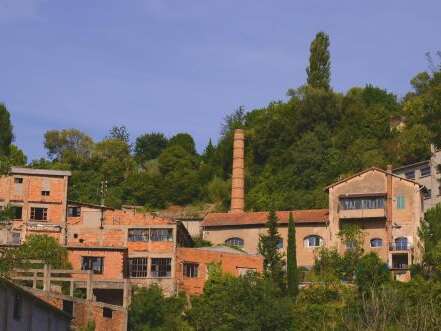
(255, 218)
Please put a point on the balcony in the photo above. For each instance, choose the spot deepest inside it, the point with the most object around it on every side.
(362, 213)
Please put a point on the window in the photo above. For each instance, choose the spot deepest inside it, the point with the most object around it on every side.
(234, 242)
(410, 174)
(400, 202)
(245, 271)
(45, 193)
(313, 241)
(190, 269)
(17, 212)
(362, 203)
(68, 307)
(17, 309)
(18, 180)
(107, 312)
(38, 214)
(138, 267)
(401, 244)
(138, 235)
(74, 211)
(161, 267)
(425, 171)
(94, 263)
(161, 234)
(376, 242)
(16, 236)
(280, 243)
(427, 194)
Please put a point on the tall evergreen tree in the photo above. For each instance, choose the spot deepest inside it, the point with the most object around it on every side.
(6, 135)
(272, 258)
(319, 69)
(292, 271)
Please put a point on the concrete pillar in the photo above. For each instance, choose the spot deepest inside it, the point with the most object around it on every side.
(238, 176)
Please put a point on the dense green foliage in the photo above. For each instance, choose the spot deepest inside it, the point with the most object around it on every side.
(319, 69)
(292, 273)
(273, 262)
(371, 272)
(430, 233)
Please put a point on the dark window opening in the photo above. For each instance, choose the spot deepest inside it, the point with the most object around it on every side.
(138, 267)
(362, 203)
(376, 242)
(94, 263)
(74, 211)
(68, 307)
(17, 212)
(138, 235)
(410, 174)
(38, 214)
(17, 309)
(425, 171)
(238, 242)
(161, 267)
(107, 312)
(161, 234)
(427, 194)
(75, 235)
(18, 180)
(190, 269)
(45, 193)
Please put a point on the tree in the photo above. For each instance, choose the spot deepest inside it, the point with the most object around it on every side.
(150, 310)
(319, 69)
(430, 234)
(371, 272)
(273, 259)
(6, 135)
(250, 302)
(292, 271)
(185, 141)
(67, 145)
(120, 133)
(149, 146)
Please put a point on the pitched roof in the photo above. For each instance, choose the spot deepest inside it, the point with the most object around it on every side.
(260, 218)
(367, 170)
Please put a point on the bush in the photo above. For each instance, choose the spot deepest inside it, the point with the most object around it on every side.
(371, 272)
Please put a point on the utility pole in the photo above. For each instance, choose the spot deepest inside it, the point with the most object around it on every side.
(103, 193)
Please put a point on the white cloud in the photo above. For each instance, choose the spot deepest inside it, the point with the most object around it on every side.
(12, 10)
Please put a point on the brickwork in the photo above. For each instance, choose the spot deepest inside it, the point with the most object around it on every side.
(232, 263)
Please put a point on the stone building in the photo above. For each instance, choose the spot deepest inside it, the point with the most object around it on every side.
(426, 173)
(387, 208)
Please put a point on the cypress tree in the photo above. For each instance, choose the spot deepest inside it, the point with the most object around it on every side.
(319, 69)
(273, 259)
(6, 135)
(292, 271)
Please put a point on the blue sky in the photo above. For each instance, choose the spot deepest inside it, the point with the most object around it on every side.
(182, 65)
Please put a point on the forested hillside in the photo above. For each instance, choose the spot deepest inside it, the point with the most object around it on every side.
(294, 148)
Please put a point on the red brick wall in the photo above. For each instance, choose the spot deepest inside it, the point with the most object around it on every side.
(229, 262)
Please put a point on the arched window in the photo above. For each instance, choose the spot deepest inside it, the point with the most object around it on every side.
(376, 242)
(234, 242)
(401, 244)
(313, 241)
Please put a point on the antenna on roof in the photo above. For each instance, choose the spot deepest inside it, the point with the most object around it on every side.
(103, 192)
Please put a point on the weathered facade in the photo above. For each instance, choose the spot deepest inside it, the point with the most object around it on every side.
(22, 310)
(38, 201)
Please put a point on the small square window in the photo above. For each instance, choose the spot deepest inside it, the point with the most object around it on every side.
(107, 312)
(428, 194)
(38, 214)
(74, 211)
(18, 180)
(190, 270)
(425, 171)
(45, 193)
(400, 202)
(410, 174)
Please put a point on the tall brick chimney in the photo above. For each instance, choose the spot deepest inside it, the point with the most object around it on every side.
(238, 180)
(389, 202)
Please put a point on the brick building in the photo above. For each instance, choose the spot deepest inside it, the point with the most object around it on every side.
(38, 200)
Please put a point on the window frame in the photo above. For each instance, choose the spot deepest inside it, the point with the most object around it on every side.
(376, 240)
(71, 213)
(141, 268)
(90, 264)
(45, 193)
(161, 234)
(33, 214)
(401, 202)
(412, 176)
(190, 269)
(425, 169)
(235, 242)
(138, 235)
(161, 270)
(313, 236)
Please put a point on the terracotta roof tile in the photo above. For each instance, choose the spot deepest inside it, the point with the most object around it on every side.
(253, 218)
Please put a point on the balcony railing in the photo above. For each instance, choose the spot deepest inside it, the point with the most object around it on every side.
(400, 266)
(400, 247)
(361, 213)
